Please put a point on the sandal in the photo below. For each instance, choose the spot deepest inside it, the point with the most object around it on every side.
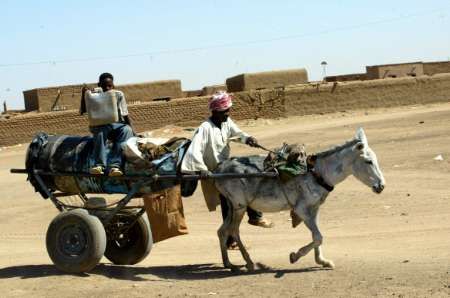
(233, 246)
(97, 170)
(115, 172)
(261, 222)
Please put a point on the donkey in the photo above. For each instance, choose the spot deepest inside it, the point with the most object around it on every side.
(302, 194)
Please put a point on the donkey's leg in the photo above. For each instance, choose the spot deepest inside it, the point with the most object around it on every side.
(318, 250)
(321, 260)
(311, 223)
(224, 232)
(236, 221)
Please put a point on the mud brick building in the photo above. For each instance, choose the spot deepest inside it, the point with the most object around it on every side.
(266, 80)
(292, 100)
(413, 69)
(256, 95)
(398, 70)
(63, 98)
(347, 77)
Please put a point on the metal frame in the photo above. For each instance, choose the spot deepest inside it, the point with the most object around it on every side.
(141, 180)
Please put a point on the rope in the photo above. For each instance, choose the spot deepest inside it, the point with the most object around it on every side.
(264, 148)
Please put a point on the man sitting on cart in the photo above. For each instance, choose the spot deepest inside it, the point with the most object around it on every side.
(117, 132)
(210, 146)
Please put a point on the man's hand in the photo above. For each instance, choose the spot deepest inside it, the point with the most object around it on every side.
(252, 142)
(84, 89)
(204, 174)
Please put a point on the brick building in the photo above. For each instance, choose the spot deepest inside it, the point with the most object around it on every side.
(266, 80)
(347, 77)
(68, 97)
(398, 70)
(413, 69)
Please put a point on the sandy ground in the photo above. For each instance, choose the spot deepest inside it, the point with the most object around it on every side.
(396, 244)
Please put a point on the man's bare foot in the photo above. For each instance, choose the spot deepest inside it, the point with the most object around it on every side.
(261, 222)
(234, 246)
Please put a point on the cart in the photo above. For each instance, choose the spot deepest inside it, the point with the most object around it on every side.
(81, 234)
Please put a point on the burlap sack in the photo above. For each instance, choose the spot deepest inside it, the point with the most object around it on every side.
(165, 213)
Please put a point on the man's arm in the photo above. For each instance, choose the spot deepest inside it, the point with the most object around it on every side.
(124, 111)
(83, 101)
(237, 133)
(193, 159)
(127, 120)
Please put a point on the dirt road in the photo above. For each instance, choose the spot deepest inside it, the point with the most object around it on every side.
(396, 244)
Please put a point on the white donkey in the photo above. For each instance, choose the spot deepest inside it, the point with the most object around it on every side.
(303, 194)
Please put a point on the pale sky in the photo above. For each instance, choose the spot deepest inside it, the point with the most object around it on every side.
(49, 43)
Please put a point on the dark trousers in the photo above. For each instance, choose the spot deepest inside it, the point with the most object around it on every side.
(252, 214)
(116, 132)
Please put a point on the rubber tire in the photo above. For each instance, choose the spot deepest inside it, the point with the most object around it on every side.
(94, 241)
(140, 245)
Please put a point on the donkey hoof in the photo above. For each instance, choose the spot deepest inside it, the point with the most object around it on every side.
(250, 267)
(293, 257)
(233, 268)
(328, 264)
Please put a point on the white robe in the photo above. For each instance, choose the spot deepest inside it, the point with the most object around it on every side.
(210, 146)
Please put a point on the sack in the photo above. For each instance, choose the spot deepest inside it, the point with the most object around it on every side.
(188, 187)
(102, 107)
(165, 213)
(152, 150)
(289, 160)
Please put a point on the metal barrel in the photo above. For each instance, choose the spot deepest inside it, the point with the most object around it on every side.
(70, 155)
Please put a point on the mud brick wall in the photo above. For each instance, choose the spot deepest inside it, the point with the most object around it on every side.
(432, 68)
(414, 69)
(22, 128)
(192, 93)
(68, 97)
(31, 100)
(153, 115)
(292, 100)
(347, 77)
(255, 104)
(56, 98)
(209, 90)
(145, 116)
(144, 92)
(266, 80)
(338, 96)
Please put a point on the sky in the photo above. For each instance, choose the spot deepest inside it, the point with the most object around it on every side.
(49, 43)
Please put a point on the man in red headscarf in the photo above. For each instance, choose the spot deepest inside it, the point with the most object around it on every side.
(210, 146)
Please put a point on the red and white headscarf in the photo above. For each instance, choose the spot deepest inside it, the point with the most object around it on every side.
(220, 101)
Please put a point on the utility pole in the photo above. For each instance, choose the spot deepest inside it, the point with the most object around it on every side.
(324, 69)
(5, 108)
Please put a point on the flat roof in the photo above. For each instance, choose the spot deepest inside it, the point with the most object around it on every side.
(396, 64)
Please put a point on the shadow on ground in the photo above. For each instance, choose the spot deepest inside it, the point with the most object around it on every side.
(183, 272)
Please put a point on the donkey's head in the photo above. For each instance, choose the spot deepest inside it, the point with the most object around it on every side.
(365, 165)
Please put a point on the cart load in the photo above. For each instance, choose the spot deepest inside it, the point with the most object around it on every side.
(72, 157)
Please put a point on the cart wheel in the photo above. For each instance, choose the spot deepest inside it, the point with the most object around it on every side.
(76, 241)
(129, 239)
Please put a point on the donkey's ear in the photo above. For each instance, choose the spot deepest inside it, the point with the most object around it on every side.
(361, 135)
(359, 146)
